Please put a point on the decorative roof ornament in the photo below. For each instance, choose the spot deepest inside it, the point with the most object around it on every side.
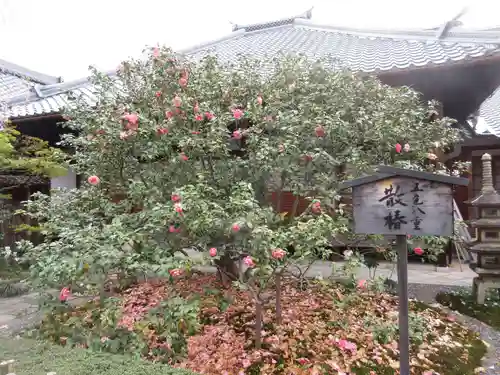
(448, 25)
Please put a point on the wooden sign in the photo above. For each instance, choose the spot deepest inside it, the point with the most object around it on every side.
(403, 205)
(399, 202)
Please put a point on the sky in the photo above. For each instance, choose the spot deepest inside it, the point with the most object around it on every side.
(64, 37)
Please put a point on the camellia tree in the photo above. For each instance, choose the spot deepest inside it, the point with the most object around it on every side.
(185, 154)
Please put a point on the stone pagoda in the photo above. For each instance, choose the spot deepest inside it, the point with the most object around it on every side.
(486, 248)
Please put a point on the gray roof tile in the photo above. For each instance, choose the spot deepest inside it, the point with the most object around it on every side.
(362, 50)
(16, 80)
(490, 112)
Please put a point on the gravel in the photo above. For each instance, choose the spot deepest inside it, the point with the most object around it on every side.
(491, 363)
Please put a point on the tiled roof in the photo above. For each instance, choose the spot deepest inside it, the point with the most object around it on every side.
(16, 80)
(490, 113)
(375, 51)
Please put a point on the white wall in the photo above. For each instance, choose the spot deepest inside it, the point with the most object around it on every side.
(68, 181)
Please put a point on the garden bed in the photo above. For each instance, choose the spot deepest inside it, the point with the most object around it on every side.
(194, 323)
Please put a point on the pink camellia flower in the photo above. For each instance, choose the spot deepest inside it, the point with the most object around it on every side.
(248, 261)
(196, 108)
(158, 94)
(184, 157)
(175, 272)
(398, 148)
(235, 227)
(209, 116)
(406, 148)
(178, 208)
(362, 284)
(162, 131)
(199, 117)
(320, 131)
(177, 101)
(237, 134)
(213, 252)
(259, 100)
(173, 229)
(131, 118)
(237, 113)
(64, 294)
(183, 81)
(431, 156)
(278, 253)
(316, 207)
(169, 114)
(175, 197)
(195, 132)
(418, 251)
(156, 52)
(303, 361)
(93, 180)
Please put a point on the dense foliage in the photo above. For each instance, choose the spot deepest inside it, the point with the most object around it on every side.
(185, 154)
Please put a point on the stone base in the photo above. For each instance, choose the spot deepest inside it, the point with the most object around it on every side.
(481, 284)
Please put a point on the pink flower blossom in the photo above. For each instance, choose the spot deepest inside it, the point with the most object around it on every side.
(183, 81)
(131, 118)
(175, 197)
(237, 113)
(196, 108)
(248, 261)
(209, 115)
(259, 100)
(184, 157)
(199, 117)
(169, 114)
(175, 272)
(93, 180)
(195, 132)
(320, 131)
(362, 284)
(398, 148)
(303, 361)
(278, 253)
(418, 251)
(64, 294)
(174, 229)
(235, 227)
(237, 134)
(158, 94)
(162, 131)
(178, 208)
(246, 363)
(213, 252)
(156, 52)
(431, 156)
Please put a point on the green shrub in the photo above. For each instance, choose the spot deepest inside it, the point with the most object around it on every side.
(34, 358)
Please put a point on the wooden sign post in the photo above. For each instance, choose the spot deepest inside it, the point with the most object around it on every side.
(403, 202)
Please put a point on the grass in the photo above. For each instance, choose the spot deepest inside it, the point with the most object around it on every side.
(36, 358)
(463, 302)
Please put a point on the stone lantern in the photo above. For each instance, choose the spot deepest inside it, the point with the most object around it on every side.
(486, 248)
